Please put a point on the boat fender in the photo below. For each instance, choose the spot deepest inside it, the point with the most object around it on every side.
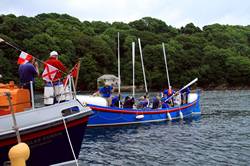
(48, 95)
(18, 154)
(139, 116)
(181, 115)
(169, 116)
(192, 97)
(59, 92)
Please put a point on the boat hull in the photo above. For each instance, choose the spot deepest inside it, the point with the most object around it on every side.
(48, 143)
(109, 116)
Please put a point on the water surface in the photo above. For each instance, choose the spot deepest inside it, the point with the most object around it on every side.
(221, 136)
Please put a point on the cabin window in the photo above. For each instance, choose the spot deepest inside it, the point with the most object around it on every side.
(70, 111)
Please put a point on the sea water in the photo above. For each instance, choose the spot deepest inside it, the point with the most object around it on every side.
(220, 136)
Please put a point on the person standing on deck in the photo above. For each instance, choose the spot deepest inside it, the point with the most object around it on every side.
(57, 83)
(27, 73)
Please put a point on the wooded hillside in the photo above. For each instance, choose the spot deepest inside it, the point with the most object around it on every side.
(216, 54)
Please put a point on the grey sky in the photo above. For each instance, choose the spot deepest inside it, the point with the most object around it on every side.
(174, 12)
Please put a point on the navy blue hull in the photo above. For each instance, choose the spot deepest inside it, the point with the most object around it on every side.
(105, 116)
(50, 144)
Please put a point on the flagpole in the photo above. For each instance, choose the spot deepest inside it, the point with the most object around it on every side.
(77, 74)
(1, 40)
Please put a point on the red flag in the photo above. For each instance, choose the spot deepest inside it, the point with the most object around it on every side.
(24, 58)
(73, 72)
(49, 73)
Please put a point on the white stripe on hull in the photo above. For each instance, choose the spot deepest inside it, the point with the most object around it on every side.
(127, 123)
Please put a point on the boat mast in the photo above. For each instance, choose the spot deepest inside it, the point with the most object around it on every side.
(142, 64)
(119, 69)
(165, 59)
(133, 64)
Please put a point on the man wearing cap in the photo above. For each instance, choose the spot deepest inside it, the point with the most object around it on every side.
(55, 87)
(53, 61)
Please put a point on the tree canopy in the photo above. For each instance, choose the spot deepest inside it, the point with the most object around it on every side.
(216, 54)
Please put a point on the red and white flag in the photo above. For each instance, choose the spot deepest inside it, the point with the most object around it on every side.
(24, 58)
(49, 73)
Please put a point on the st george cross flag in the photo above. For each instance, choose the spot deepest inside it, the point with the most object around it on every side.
(24, 58)
(49, 73)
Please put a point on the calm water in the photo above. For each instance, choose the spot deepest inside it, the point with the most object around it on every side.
(220, 137)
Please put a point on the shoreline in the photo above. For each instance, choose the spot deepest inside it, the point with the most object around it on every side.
(211, 88)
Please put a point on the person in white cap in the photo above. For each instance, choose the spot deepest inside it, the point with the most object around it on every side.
(56, 84)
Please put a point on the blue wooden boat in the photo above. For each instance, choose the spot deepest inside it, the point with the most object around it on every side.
(111, 116)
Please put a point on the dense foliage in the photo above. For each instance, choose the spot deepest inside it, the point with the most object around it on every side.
(217, 54)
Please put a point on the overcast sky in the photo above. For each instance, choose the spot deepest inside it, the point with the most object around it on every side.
(174, 12)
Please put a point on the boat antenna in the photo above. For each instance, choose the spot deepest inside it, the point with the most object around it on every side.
(144, 76)
(119, 68)
(166, 64)
(133, 64)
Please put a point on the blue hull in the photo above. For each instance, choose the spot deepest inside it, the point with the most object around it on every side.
(48, 143)
(109, 116)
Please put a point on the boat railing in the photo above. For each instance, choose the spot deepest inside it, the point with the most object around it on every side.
(68, 93)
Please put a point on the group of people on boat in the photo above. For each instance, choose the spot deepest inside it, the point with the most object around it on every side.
(28, 71)
(53, 89)
(168, 98)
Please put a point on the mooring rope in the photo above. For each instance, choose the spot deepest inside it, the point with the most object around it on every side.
(66, 129)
